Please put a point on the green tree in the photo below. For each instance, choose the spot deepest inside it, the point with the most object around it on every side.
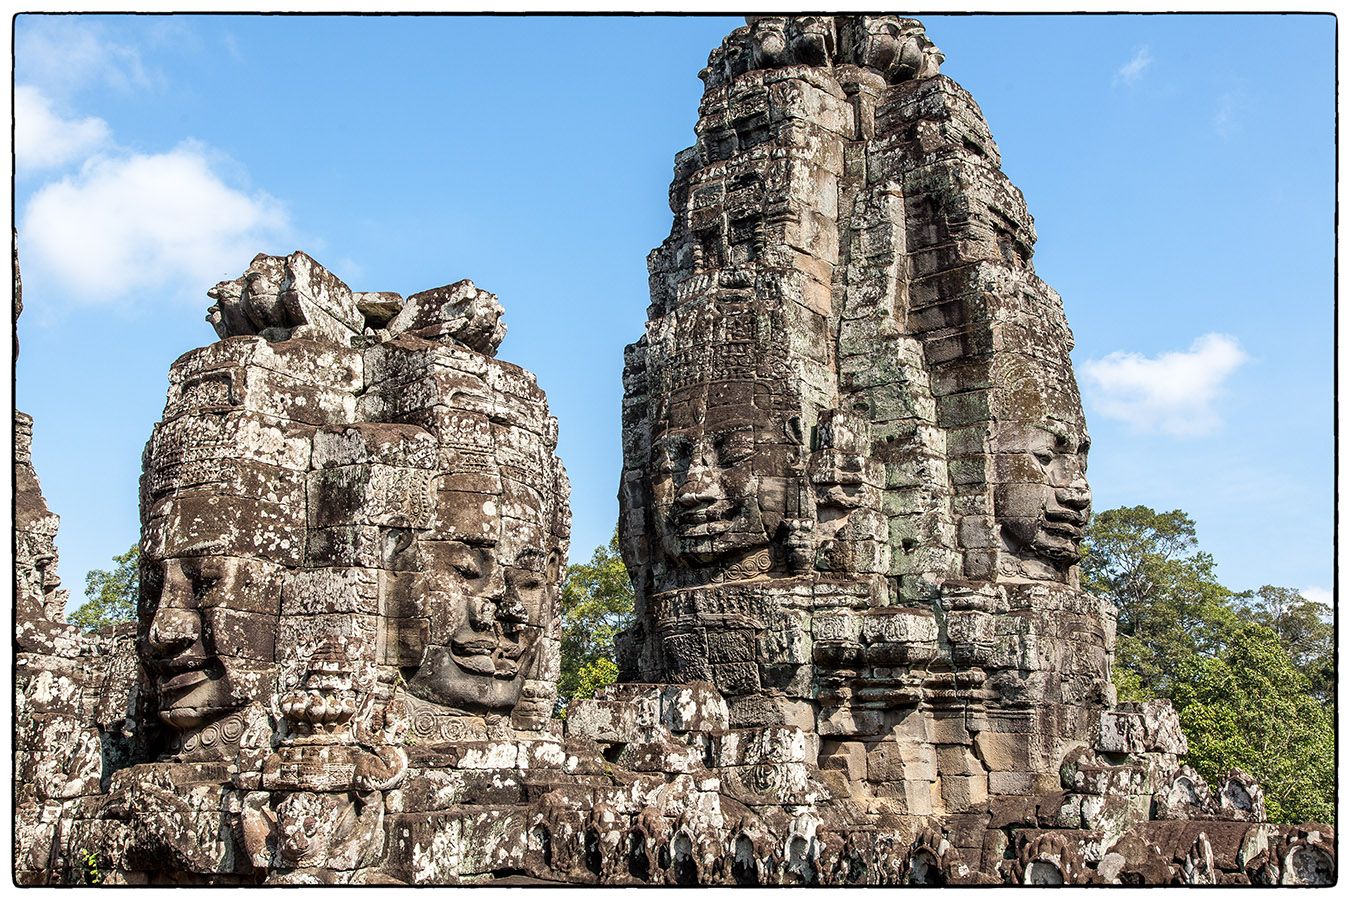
(1304, 628)
(597, 603)
(1251, 708)
(110, 597)
(1170, 604)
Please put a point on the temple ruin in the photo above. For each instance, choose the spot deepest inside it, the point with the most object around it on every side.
(852, 497)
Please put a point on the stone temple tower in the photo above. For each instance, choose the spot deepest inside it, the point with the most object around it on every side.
(854, 449)
(852, 498)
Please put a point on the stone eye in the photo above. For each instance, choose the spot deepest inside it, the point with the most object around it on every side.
(674, 454)
(735, 448)
(202, 586)
(465, 562)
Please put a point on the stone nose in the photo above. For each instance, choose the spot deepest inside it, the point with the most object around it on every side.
(1076, 495)
(699, 487)
(173, 629)
(483, 607)
(512, 609)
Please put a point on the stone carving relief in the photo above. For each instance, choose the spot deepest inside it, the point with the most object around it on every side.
(852, 498)
(353, 534)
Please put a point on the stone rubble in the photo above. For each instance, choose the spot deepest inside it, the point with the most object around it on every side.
(852, 497)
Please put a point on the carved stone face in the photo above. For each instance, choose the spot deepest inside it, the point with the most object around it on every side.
(882, 44)
(768, 36)
(705, 492)
(738, 53)
(1042, 500)
(895, 47)
(489, 614)
(813, 39)
(207, 634)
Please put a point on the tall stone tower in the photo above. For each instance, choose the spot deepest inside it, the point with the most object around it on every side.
(854, 449)
(854, 470)
(852, 499)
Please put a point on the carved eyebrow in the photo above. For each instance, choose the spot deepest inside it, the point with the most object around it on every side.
(211, 547)
(531, 560)
(674, 442)
(1061, 435)
(475, 540)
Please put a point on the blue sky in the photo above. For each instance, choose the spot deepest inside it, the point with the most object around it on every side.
(1182, 185)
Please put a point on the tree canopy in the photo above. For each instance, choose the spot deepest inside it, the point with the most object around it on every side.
(1170, 603)
(1251, 708)
(1251, 674)
(110, 596)
(1303, 627)
(597, 603)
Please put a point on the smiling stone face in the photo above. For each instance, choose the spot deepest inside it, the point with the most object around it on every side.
(1042, 500)
(722, 439)
(207, 635)
(705, 490)
(489, 615)
(472, 595)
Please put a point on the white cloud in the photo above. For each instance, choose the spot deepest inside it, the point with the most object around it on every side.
(45, 140)
(1173, 392)
(1318, 595)
(62, 54)
(1134, 69)
(162, 221)
(124, 224)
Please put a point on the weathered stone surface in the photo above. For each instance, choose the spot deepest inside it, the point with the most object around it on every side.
(853, 419)
(352, 540)
(852, 497)
(74, 693)
(278, 295)
(460, 312)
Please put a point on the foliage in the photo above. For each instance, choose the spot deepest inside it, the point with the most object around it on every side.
(110, 596)
(92, 873)
(1251, 708)
(1251, 675)
(1171, 605)
(1129, 686)
(1304, 629)
(592, 676)
(597, 603)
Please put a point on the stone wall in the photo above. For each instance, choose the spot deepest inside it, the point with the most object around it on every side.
(852, 497)
(73, 692)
